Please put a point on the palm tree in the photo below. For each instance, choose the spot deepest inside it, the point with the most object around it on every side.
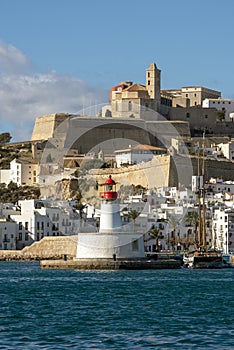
(80, 207)
(174, 223)
(154, 232)
(193, 220)
(132, 215)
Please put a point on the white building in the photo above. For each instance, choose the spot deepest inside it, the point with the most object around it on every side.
(38, 219)
(223, 229)
(8, 235)
(24, 172)
(137, 154)
(227, 150)
(220, 104)
(217, 185)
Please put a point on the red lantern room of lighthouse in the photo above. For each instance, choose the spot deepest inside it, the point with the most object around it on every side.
(109, 193)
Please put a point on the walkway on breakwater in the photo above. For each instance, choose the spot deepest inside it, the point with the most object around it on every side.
(109, 264)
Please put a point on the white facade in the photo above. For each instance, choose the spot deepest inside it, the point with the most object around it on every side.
(23, 172)
(219, 186)
(223, 230)
(137, 154)
(7, 234)
(40, 218)
(227, 150)
(220, 104)
(5, 176)
(107, 245)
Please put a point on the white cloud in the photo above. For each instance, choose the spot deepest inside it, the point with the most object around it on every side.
(13, 60)
(25, 96)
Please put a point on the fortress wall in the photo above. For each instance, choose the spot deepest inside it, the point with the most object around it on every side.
(216, 168)
(45, 126)
(154, 173)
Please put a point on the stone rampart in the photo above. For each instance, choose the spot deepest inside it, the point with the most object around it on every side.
(47, 248)
(46, 125)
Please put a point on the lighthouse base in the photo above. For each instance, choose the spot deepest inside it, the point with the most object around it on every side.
(113, 245)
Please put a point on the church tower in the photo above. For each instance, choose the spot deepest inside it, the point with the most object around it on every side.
(153, 84)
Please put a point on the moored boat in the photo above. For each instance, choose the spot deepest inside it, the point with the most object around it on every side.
(203, 260)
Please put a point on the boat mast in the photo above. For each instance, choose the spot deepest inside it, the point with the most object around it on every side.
(203, 195)
(199, 197)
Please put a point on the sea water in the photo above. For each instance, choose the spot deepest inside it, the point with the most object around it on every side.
(151, 309)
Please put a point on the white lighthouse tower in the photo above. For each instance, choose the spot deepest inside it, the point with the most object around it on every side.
(111, 242)
(110, 219)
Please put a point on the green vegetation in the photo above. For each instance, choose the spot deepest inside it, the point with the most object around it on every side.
(89, 164)
(5, 137)
(13, 193)
(133, 215)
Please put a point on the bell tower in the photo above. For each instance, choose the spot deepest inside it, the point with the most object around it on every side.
(153, 84)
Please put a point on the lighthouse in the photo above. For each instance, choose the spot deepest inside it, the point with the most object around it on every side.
(111, 242)
(110, 219)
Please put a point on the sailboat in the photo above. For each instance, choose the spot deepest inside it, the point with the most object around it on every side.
(202, 257)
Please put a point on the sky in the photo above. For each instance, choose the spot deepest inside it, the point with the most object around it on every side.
(64, 55)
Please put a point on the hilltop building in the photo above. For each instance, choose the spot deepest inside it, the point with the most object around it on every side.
(135, 112)
(221, 104)
(137, 154)
(24, 172)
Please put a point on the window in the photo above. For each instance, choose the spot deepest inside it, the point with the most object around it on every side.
(38, 225)
(148, 74)
(20, 236)
(26, 225)
(26, 236)
(187, 115)
(148, 82)
(135, 245)
(20, 226)
(195, 95)
(129, 105)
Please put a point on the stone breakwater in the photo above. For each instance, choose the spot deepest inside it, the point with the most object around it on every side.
(109, 264)
(18, 256)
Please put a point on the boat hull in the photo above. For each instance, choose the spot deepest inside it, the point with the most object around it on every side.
(203, 261)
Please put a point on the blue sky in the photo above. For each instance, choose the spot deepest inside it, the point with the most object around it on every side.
(64, 55)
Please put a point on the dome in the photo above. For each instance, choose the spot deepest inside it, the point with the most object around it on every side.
(109, 181)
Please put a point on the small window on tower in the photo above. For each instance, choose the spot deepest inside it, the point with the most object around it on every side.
(148, 82)
(148, 74)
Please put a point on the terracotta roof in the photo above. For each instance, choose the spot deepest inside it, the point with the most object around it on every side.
(148, 148)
